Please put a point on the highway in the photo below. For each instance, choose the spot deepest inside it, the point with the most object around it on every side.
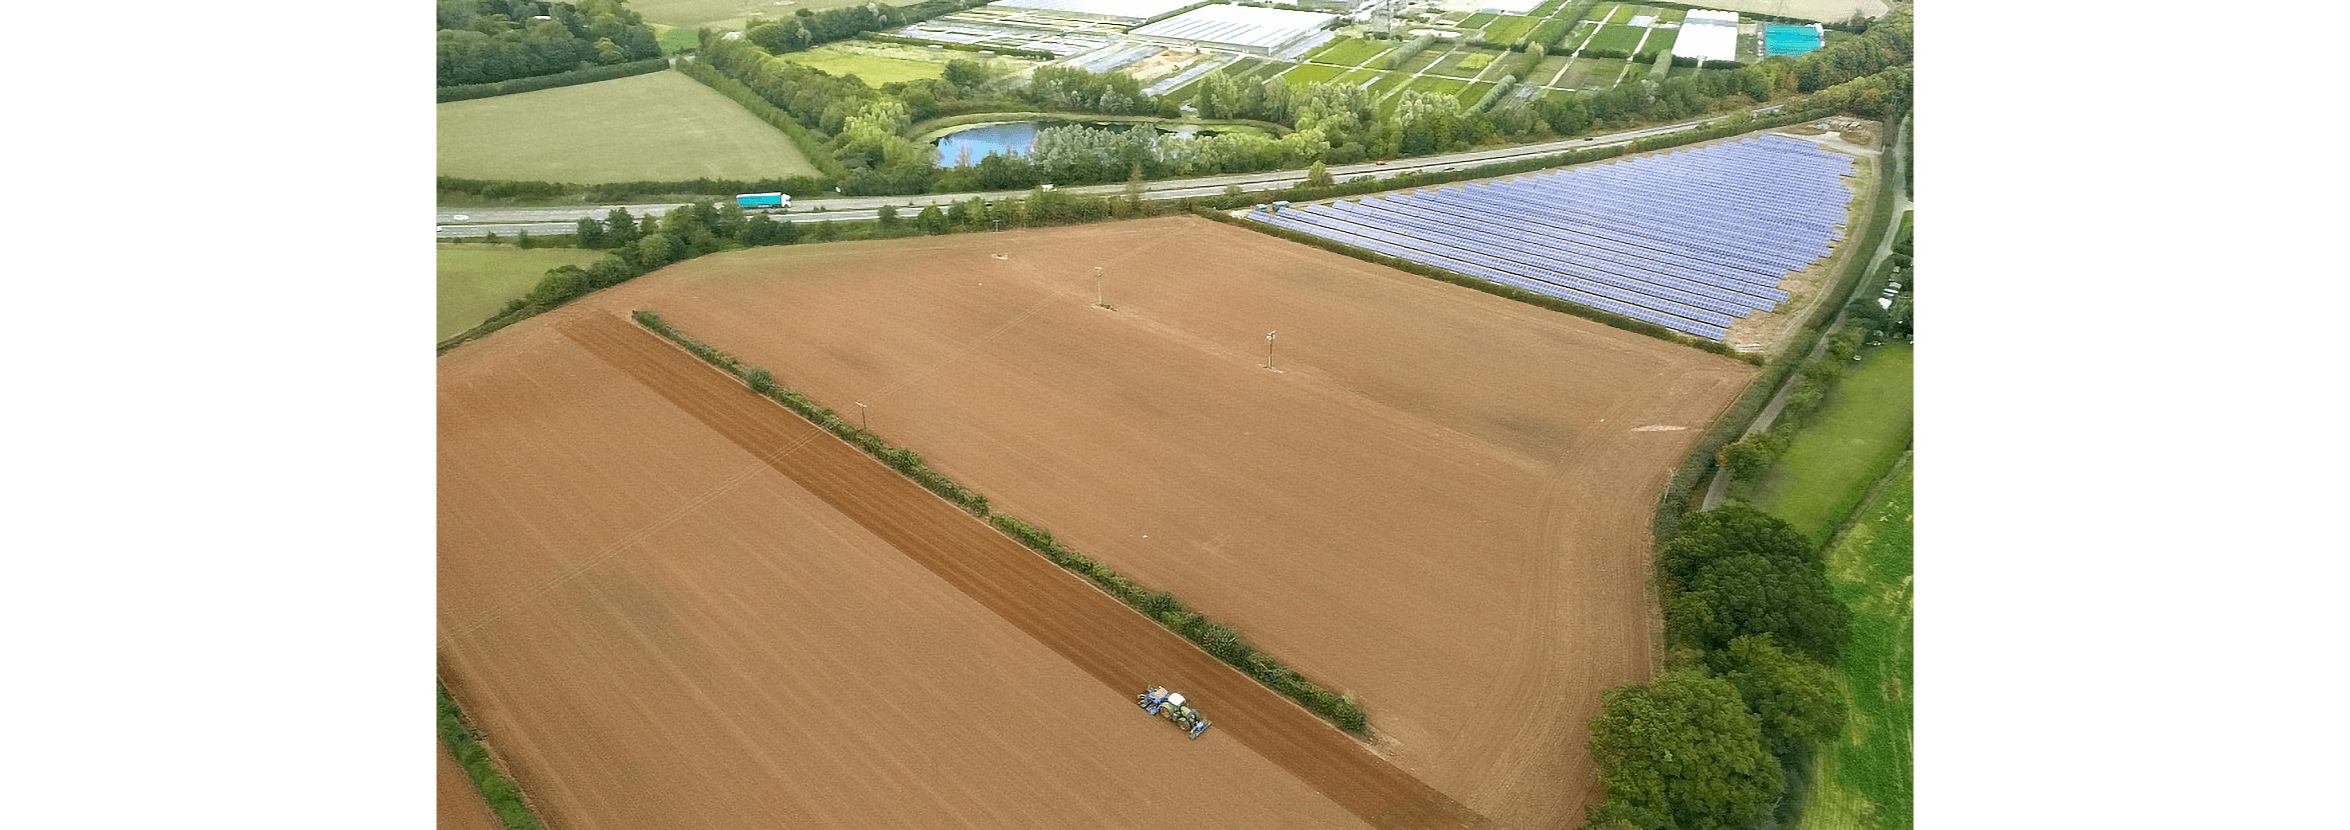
(464, 222)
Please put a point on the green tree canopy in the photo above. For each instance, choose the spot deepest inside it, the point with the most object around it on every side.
(1794, 700)
(1682, 752)
(1728, 531)
(1755, 594)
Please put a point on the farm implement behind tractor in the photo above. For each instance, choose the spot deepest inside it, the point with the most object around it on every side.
(1169, 707)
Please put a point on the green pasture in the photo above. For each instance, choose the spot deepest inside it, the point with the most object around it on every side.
(1386, 85)
(1349, 51)
(1310, 73)
(1470, 94)
(1267, 71)
(1509, 28)
(725, 14)
(872, 68)
(1862, 426)
(1617, 37)
(675, 39)
(661, 126)
(1548, 70)
(478, 279)
(1465, 63)
(1427, 58)
(1865, 780)
(1593, 73)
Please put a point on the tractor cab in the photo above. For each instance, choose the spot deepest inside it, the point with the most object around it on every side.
(1169, 706)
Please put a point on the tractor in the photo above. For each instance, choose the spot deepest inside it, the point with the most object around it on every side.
(1169, 707)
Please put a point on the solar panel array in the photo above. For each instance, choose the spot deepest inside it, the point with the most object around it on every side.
(1691, 240)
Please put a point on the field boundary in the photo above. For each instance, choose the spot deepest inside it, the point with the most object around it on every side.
(473, 754)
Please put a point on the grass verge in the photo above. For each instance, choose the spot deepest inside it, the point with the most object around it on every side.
(1865, 779)
(505, 800)
(1830, 464)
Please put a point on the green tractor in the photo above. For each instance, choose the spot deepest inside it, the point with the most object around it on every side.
(1169, 707)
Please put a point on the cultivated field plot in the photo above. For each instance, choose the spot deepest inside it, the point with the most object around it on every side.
(1693, 240)
(1460, 540)
(873, 65)
(1617, 37)
(658, 127)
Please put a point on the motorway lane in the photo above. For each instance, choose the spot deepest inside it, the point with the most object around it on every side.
(559, 220)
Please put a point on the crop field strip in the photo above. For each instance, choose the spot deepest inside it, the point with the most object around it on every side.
(1092, 630)
(1691, 240)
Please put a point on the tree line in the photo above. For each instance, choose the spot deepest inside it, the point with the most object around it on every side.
(1754, 628)
(487, 41)
(855, 133)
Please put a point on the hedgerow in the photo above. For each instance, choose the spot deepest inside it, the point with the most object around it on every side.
(1214, 637)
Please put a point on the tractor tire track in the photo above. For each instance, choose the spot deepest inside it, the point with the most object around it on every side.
(1122, 648)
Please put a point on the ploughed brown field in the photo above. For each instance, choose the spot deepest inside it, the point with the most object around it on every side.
(671, 603)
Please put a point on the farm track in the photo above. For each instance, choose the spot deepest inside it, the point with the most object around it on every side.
(1092, 630)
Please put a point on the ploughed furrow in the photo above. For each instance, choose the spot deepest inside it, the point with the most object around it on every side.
(1119, 646)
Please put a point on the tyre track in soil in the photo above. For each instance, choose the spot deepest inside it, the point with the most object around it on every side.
(1094, 631)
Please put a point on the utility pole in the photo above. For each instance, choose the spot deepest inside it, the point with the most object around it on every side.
(1268, 350)
(1097, 287)
(861, 417)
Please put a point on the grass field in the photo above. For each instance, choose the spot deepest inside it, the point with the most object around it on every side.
(724, 14)
(1592, 73)
(657, 127)
(872, 68)
(1480, 20)
(1307, 73)
(675, 39)
(476, 279)
(1858, 432)
(1420, 62)
(1864, 781)
(1509, 28)
(1660, 40)
(1470, 94)
(1627, 11)
(1465, 63)
(1349, 51)
(1547, 70)
(1618, 37)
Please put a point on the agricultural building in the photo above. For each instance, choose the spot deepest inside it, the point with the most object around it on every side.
(1248, 29)
(1708, 35)
(1129, 12)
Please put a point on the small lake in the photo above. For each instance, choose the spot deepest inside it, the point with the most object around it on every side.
(965, 147)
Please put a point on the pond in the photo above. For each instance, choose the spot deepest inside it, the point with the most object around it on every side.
(966, 146)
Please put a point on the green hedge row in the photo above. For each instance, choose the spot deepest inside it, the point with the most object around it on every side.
(1216, 638)
(742, 96)
(503, 189)
(465, 743)
(1398, 55)
(467, 92)
(1698, 466)
(1507, 83)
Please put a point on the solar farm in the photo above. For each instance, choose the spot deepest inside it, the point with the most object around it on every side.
(1693, 240)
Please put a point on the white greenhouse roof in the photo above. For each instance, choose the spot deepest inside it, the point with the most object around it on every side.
(1708, 35)
(1698, 16)
(1238, 26)
(1134, 9)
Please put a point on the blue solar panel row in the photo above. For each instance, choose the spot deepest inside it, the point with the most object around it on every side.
(1637, 312)
(1691, 240)
(1570, 248)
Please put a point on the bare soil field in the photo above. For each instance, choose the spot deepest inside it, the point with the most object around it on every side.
(459, 804)
(659, 628)
(1436, 499)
